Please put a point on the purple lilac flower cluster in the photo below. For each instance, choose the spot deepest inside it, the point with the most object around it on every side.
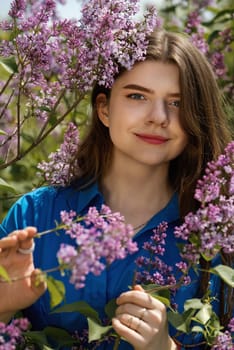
(196, 31)
(62, 167)
(107, 36)
(100, 237)
(153, 270)
(11, 334)
(210, 229)
(224, 340)
(112, 36)
(222, 43)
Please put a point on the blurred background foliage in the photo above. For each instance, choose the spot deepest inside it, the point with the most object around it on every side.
(214, 19)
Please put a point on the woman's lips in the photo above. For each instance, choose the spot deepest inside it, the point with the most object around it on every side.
(152, 139)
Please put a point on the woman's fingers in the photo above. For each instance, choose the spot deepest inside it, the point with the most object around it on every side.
(19, 238)
(141, 319)
(26, 237)
(38, 282)
(139, 298)
(131, 335)
(8, 242)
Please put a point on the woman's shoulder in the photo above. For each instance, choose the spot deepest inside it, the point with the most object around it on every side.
(44, 194)
(39, 206)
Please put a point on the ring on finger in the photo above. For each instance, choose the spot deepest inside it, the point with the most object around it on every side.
(138, 325)
(129, 322)
(142, 314)
(28, 250)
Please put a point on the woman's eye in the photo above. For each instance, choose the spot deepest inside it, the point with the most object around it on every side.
(174, 103)
(136, 96)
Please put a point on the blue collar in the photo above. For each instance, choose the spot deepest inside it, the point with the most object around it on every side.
(91, 196)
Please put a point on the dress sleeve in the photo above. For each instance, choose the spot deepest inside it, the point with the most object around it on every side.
(27, 211)
(16, 218)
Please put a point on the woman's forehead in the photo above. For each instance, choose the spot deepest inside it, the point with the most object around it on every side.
(150, 73)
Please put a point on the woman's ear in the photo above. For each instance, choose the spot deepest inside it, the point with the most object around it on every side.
(102, 108)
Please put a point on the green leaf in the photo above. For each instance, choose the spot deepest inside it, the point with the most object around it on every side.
(204, 314)
(59, 335)
(193, 304)
(2, 132)
(27, 137)
(45, 108)
(162, 295)
(96, 331)
(110, 308)
(163, 300)
(5, 187)
(226, 273)
(197, 329)
(57, 291)
(209, 257)
(37, 337)
(9, 64)
(181, 321)
(194, 238)
(81, 307)
(213, 36)
(4, 274)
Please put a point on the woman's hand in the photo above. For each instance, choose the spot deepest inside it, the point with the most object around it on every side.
(142, 321)
(26, 286)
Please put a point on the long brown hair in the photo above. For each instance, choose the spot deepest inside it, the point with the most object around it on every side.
(202, 116)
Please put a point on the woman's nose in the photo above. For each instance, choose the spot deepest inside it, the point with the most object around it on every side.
(158, 113)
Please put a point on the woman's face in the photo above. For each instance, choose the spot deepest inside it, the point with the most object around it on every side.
(143, 115)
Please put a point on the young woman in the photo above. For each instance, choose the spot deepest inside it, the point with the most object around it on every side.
(150, 139)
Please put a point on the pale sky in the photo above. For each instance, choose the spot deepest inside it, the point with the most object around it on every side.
(70, 10)
(67, 11)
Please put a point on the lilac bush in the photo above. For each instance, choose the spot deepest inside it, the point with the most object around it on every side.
(50, 65)
(210, 229)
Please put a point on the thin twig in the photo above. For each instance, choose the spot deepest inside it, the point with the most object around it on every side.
(39, 140)
(6, 84)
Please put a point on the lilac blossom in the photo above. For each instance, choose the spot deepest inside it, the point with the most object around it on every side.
(199, 41)
(223, 342)
(100, 237)
(231, 325)
(196, 31)
(62, 166)
(217, 61)
(11, 334)
(193, 22)
(211, 227)
(152, 269)
(17, 8)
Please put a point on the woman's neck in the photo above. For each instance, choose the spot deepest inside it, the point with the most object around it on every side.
(136, 195)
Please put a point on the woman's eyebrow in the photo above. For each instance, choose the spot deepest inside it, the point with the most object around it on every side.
(138, 87)
(144, 89)
(174, 94)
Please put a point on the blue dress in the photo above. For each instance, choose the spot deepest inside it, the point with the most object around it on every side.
(41, 208)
